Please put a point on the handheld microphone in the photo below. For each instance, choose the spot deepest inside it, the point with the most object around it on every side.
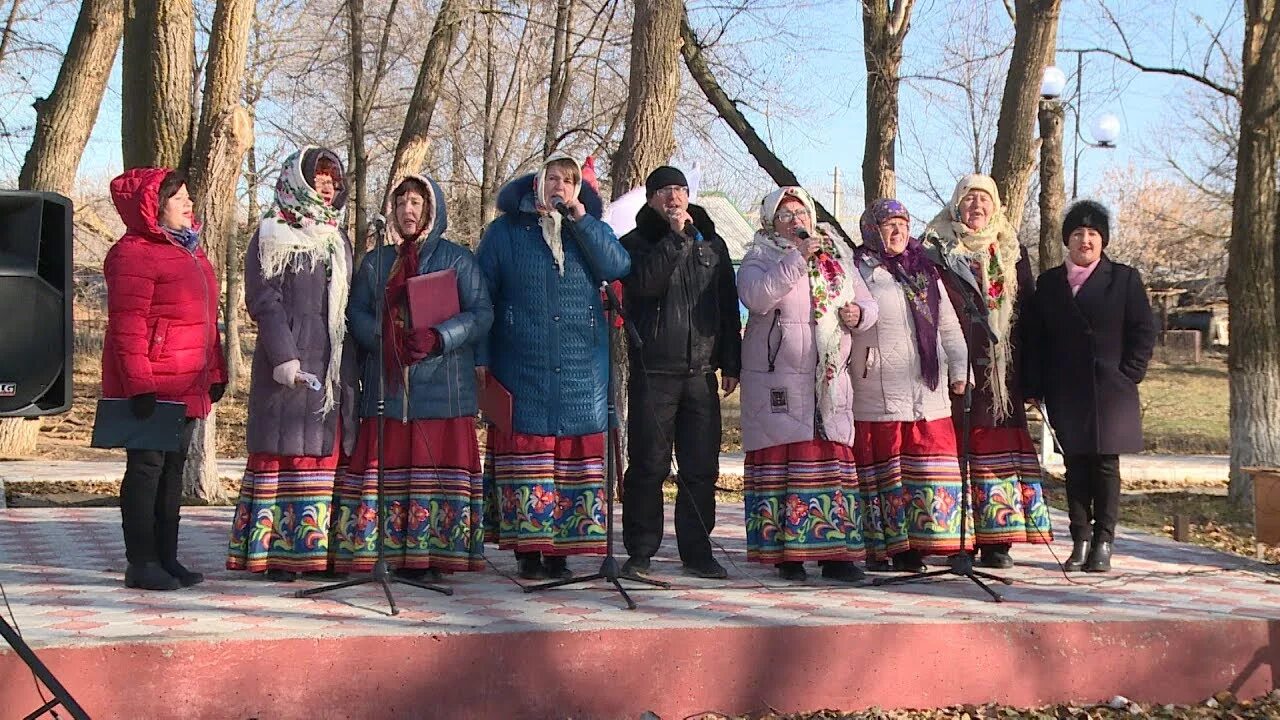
(804, 235)
(561, 208)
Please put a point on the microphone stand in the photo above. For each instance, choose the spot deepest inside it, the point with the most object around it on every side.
(609, 570)
(960, 565)
(381, 572)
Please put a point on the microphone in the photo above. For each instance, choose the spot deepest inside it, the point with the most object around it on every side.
(688, 230)
(562, 208)
(804, 235)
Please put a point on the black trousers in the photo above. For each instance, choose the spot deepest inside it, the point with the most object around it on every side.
(150, 501)
(1093, 496)
(666, 410)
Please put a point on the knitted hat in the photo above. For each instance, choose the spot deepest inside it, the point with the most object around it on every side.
(662, 177)
(1088, 214)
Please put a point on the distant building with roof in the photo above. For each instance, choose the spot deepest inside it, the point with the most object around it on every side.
(731, 225)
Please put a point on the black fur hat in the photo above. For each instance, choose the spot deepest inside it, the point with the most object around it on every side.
(1090, 214)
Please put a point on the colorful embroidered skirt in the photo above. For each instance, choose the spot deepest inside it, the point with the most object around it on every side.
(802, 503)
(910, 487)
(283, 519)
(545, 494)
(1008, 502)
(432, 500)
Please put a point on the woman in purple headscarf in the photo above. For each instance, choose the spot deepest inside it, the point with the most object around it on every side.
(904, 442)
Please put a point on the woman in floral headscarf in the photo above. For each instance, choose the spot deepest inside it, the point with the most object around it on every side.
(297, 277)
(805, 302)
(991, 285)
(903, 438)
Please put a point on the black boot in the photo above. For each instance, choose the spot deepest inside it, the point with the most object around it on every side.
(842, 571)
(149, 576)
(879, 566)
(185, 576)
(557, 567)
(792, 571)
(1099, 558)
(530, 565)
(995, 556)
(908, 562)
(1079, 551)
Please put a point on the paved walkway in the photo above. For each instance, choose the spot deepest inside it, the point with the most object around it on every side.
(1189, 469)
(62, 571)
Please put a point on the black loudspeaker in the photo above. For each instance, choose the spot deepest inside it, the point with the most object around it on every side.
(36, 294)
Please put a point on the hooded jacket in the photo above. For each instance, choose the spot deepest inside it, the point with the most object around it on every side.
(443, 385)
(162, 306)
(682, 297)
(549, 345)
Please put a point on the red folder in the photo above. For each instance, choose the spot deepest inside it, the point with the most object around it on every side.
(495, 403)
(433, 298)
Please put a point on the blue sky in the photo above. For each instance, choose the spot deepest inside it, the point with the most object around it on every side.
(811, 55)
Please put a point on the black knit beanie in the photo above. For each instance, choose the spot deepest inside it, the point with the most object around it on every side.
(662, 177)
(1089, 214)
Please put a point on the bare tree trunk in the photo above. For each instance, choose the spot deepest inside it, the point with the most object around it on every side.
(225, 126)
(357, 164)
(1034, 39)
(648, 137)
(1052, 192)
(7, 33)
(411, 151)
(18, 437)
(157, 66)
(224, 133)
(884, 27)
(63, 123)
(489, 139)
(235, 276)
(728, 110)
(65, 118)
(558, 92)
(1254, 355)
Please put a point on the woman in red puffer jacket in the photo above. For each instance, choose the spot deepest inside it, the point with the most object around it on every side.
(161, 344)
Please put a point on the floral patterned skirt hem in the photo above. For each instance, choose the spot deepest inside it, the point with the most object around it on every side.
(910, 480)
(545, 493)
(283, 518)
(802, 503)
(433, 495)
(1008, 500)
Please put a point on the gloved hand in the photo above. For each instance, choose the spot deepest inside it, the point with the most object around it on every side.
(286, 373)
(423, 343)
(216, 391)
(143, 406)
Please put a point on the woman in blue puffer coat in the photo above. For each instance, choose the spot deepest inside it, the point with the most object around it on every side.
(550, 348)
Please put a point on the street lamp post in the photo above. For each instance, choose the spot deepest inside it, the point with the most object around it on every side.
(1052, 116)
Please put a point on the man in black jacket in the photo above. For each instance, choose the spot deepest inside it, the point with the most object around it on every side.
(682, 298)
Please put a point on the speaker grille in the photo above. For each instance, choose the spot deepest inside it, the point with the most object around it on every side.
(32, 333)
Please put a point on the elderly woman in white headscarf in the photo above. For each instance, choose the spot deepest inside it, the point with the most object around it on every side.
(806, 300)
(990, 284)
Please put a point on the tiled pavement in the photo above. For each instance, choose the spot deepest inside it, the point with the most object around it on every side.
(62, 573)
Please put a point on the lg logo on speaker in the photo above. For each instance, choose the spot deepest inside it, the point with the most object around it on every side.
(8, 389)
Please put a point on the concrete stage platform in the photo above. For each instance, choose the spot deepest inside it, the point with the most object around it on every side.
(1175, 623)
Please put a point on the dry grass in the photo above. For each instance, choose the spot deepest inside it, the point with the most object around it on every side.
(1185, 408)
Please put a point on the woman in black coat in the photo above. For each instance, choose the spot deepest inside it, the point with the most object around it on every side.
(1091, 334)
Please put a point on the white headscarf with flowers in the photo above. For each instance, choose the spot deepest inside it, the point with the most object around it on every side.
(299, 231)
(993, 254)
(549, 219)
(829, 290)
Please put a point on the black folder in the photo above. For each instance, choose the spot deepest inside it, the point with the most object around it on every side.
(115, 426)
